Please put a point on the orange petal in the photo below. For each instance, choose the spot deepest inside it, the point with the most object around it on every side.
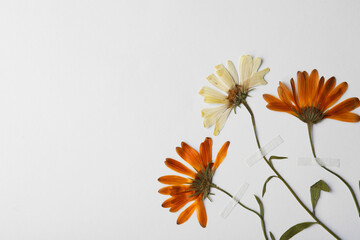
(201, 212)
(189, 157)
(174, 200)
(283, 97)
(311, 85)
(270, 99)
(280, 107)
(306, 75)
(189, 149)
(210, 144)
(174, 180)
(180, 204)
(345, 106)
(179, 167)
(301, 89)
(186, 214)
(329, 85)
(318, 91)
(296, 100)
(180, 189)
(165, 190)
(205, 152)
(287, 92)
(346, 117)
(167, 203)
(181, 197)
(176, 207)
(173, 190)
(335, 95)
(195, 156)
(221, 156)
(202, 155)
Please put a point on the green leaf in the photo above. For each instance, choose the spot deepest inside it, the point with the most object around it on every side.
(260, 205)
(315, 192)
(276, 158)
(272, 236)
(295, 230)
(265, 183)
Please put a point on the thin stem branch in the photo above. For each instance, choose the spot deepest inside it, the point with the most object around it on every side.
(283, 180)
(247, 208)
(332, 172)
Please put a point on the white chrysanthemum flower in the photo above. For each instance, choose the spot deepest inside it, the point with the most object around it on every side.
(236, 87)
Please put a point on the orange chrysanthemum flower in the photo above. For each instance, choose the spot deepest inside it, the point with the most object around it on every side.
(195, 188)
(313, 98)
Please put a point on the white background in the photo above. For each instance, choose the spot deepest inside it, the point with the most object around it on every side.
(94, 95)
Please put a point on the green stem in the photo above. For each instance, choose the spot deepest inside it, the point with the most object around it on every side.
(332, 172)
(247, 208)
(283, 180)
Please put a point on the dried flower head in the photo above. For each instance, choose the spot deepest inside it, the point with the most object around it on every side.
(235, 86)
(197, 186)
(313, 98)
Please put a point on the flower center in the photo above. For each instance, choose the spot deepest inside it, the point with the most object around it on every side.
(311, 114)
(202, 182)
(237, 95)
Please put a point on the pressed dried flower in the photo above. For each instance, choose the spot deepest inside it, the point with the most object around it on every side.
(313, 98)
(196, 186)
(236, 87)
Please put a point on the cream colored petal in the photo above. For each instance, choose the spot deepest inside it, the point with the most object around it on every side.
(225, 76)
(212, 96)
(245, 68)
(257, 79)
(209, 92)
(215, 100)
(256, 65)
(211, 115)
(217, 83)
(221, 121)
(206, 112)
(209, 121)
(232, 71)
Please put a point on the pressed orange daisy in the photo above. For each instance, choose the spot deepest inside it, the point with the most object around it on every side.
(312, 102)
(196, 186)
(313, 99)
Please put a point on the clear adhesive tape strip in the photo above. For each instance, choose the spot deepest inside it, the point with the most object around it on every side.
(324, 162)
(232, 203)
(263, 151)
